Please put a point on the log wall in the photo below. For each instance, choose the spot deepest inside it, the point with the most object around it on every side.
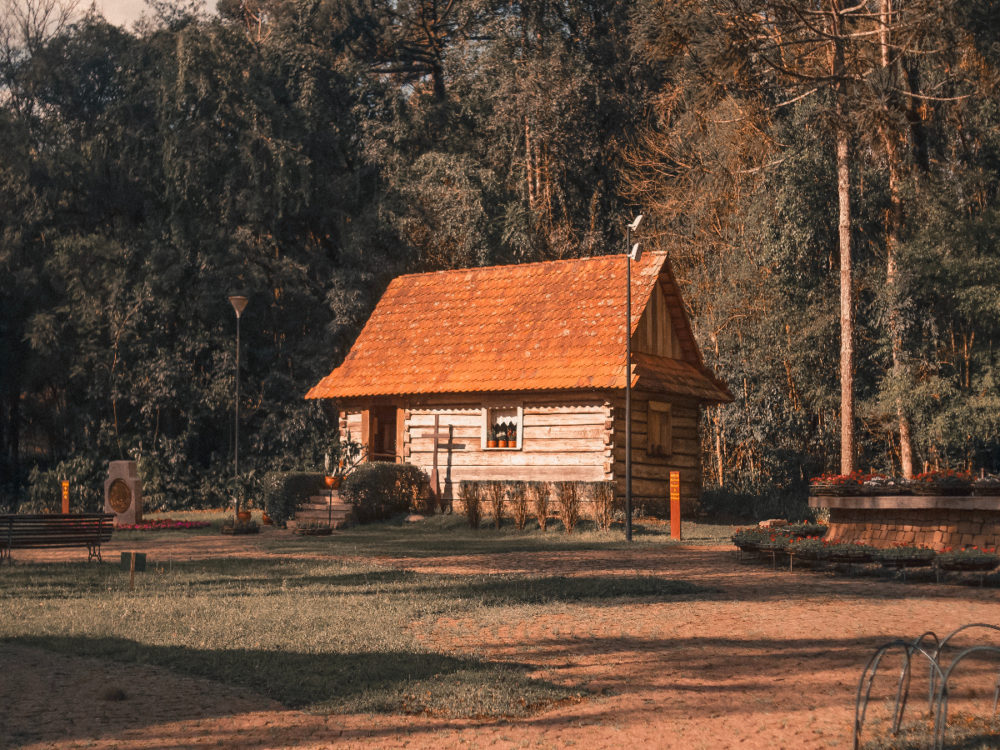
(565, 438)
(651, 474)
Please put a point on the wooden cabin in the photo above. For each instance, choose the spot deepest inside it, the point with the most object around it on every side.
(540, 348)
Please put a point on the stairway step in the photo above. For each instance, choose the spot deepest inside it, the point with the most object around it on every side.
(324, 506)
(324, 500)
(321, 516)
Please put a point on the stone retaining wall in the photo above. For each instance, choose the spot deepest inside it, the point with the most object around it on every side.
(936, 528)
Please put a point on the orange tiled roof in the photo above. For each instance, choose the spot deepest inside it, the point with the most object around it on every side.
(680, 377)
(535, 326)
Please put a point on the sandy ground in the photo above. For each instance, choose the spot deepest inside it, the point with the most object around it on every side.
(770, 660)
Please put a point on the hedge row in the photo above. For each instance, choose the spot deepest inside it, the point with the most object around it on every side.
(537, 498)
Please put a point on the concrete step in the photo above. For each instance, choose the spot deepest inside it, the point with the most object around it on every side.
(328, 494)
(322, 517)
(324, 511)
(335, 524)
(324, 506)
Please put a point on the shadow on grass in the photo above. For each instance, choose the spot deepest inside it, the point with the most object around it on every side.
(450, 535)
(272, 578)
(370, 682)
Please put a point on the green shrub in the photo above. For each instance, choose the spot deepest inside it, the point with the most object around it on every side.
(380, 489)
(539, 498)
(724, 505)
(468, 493)
(282, 491)
(568, 497)
(604, 501)
(86, 477)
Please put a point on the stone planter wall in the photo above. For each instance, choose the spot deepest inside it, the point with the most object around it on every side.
(926, 521)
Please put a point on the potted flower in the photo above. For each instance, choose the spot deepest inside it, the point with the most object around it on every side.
(502, 434)
(942, 482)
(494, 439)
(241, 490)
(975, 559)
(349, 454)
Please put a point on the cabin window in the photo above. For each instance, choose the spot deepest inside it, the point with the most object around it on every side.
(502, 427)
(659, 438)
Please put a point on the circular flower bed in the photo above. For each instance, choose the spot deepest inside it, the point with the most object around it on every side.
(903, 556)
(162, 524)
(988, 485)
(973, 559)
(806, 529)
(853, 553)
(841, 484)
(944, 482)
(748, 540)
(808, 548)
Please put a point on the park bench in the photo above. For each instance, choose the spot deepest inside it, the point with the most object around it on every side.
(88, 530)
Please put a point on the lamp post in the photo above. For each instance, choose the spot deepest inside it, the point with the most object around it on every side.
(239, 303)
(632, 252)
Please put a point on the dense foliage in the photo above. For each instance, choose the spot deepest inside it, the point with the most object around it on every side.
(308, 152)
(282, 491)
(380, 489)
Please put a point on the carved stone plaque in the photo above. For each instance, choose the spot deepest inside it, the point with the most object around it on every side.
(119, 496)
(123, 492)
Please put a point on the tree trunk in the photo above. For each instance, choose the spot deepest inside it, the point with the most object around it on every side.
(893, 225)
(847, 449)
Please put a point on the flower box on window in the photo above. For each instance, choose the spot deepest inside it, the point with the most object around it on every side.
(502, 427)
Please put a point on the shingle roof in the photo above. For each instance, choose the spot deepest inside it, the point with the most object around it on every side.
(534, 326)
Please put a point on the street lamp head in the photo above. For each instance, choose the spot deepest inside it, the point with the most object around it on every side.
(239, 302)
(635, 223)
(635, 253)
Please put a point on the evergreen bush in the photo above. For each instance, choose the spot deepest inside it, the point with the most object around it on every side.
(86, 477)
(380, 489)
(282, 491)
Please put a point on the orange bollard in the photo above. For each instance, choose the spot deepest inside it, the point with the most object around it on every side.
(675, 505)
(65, 496)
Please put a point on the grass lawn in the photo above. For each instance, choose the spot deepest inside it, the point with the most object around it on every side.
(324, 634)
(451, 535)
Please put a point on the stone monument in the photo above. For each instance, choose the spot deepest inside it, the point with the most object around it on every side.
(123, 492)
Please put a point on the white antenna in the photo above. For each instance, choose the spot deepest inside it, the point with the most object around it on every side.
(635, 223)
(635, 253)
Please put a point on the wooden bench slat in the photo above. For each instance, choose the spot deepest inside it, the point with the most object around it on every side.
(88, 530)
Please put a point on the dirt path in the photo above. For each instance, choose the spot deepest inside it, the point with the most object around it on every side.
(769, 660)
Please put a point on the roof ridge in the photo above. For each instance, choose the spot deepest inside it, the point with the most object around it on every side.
(519, 265)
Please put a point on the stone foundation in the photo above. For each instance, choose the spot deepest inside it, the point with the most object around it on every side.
(935, 522)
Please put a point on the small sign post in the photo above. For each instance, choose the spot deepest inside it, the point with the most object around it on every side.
(65, 496)
(675, 505)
